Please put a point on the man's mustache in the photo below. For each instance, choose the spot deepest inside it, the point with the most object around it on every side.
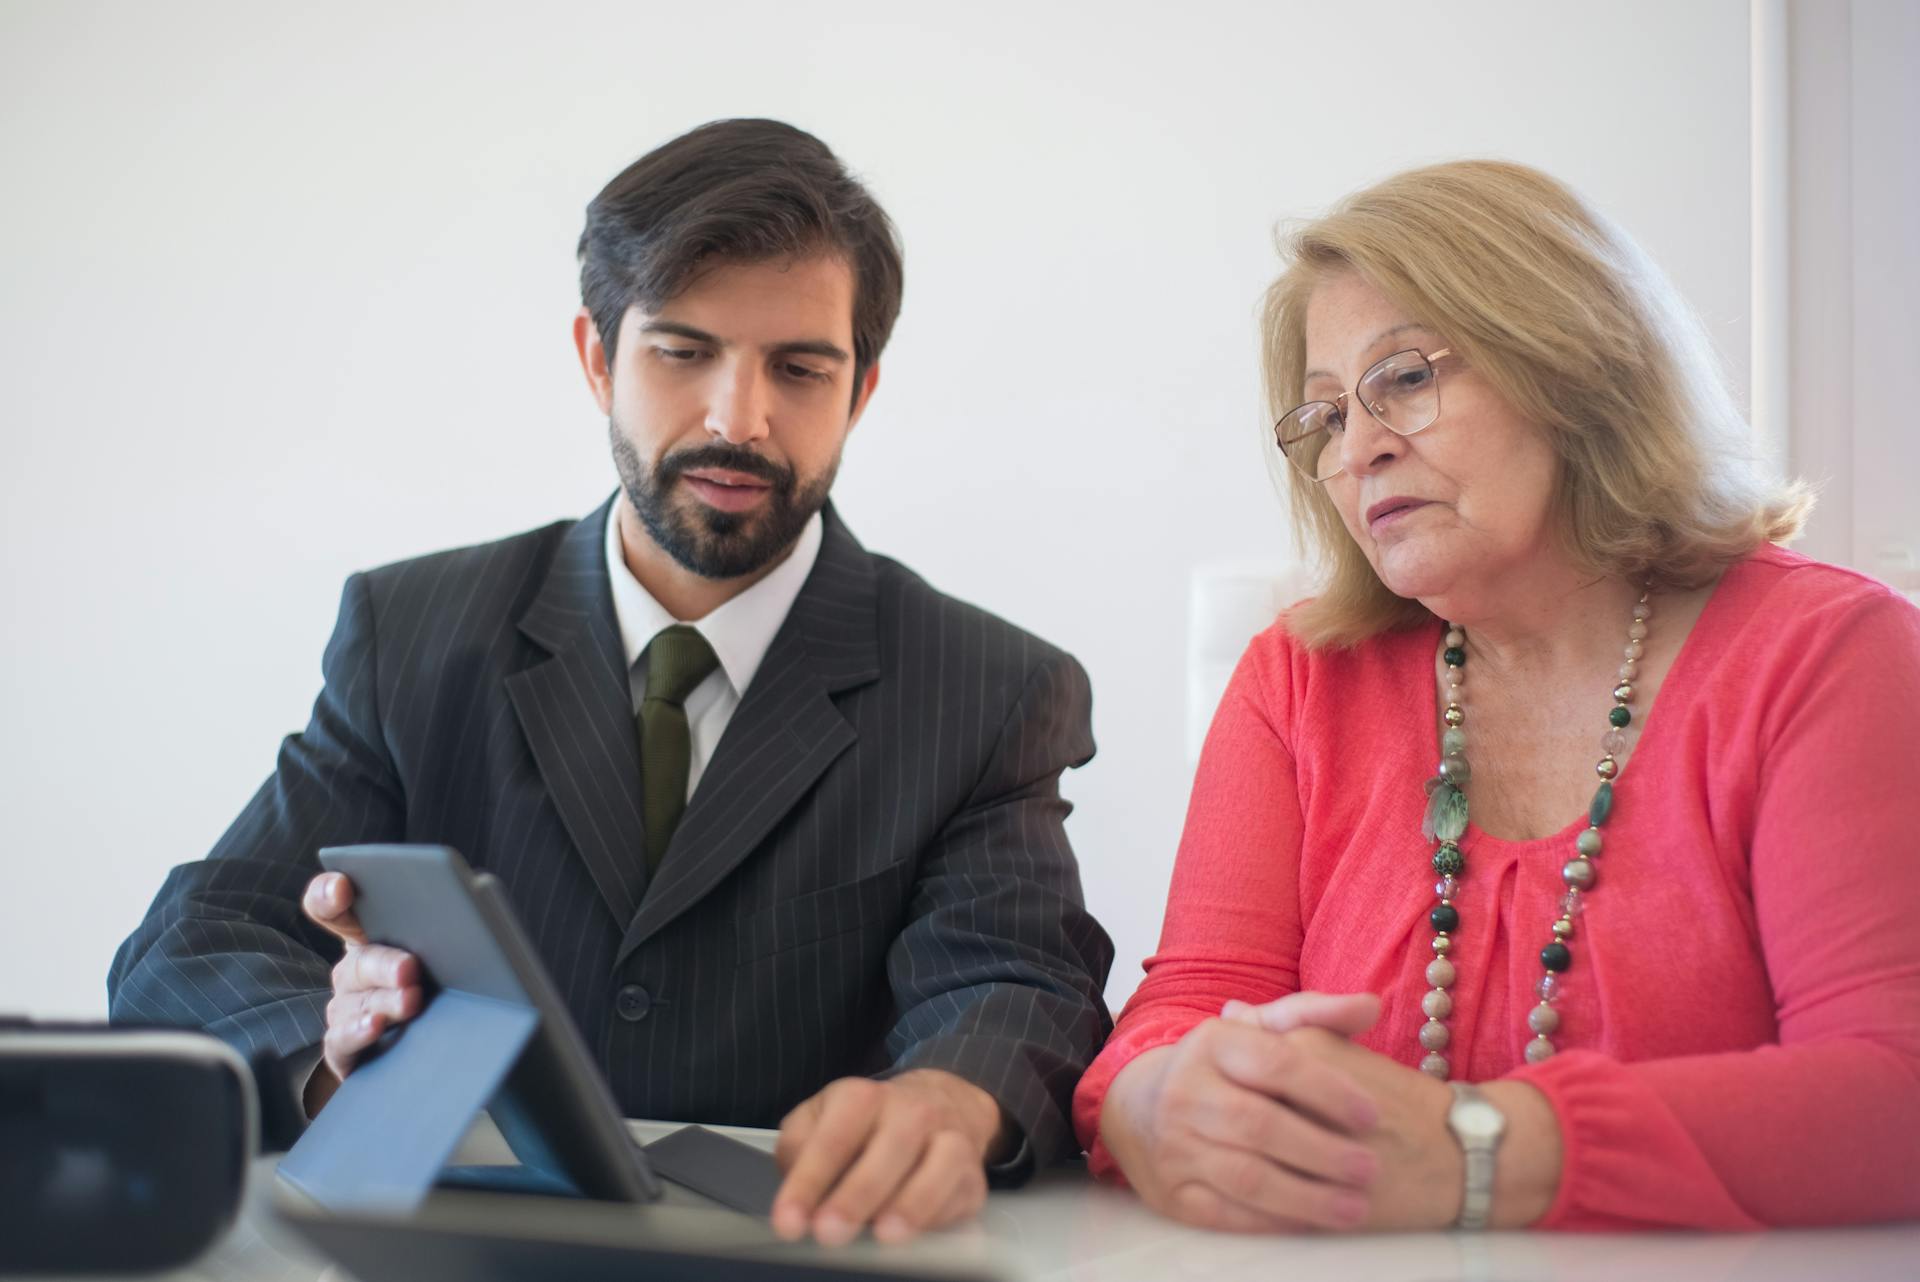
(731, 458)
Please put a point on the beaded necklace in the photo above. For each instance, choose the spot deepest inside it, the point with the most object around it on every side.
(1446, 822)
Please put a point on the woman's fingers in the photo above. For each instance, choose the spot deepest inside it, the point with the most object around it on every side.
(1348, 1014)
(1286, 1068)
(1241, 1119)
(1243, 1192)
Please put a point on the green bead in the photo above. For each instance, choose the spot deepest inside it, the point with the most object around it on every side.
(1588, 842)
(1453, 741)
(1446, 816)
(1602, 805)
(1448, 861)
(1454, 656)
(1620, 716)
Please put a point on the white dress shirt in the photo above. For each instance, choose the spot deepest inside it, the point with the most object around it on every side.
(739, 632)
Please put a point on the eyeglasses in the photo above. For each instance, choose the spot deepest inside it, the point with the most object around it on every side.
(1402, 393)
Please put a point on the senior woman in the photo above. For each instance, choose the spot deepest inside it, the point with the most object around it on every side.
(1572, 784)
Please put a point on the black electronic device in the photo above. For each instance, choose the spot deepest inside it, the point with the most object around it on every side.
(719, 1167)
(494, 1036)
(120, 1149)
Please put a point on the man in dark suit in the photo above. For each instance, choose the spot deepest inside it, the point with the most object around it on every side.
(783, 822)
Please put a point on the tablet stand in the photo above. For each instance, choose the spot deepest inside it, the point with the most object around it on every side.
(383, 1140)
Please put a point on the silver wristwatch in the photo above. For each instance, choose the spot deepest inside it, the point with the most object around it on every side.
(1478, 1126)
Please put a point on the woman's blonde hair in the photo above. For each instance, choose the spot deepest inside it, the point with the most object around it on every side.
(1578, 330)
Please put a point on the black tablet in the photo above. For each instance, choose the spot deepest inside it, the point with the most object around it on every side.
(494, 1035)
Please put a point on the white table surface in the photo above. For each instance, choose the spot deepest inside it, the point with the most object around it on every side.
(1064, 1227)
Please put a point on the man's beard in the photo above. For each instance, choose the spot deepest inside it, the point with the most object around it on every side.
(711, 543)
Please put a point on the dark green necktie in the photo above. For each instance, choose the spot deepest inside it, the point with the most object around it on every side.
(678, 659)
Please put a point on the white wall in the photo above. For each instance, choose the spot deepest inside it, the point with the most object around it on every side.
(284, 292)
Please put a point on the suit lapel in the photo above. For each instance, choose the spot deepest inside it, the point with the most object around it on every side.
(783, 736)
(576, 710)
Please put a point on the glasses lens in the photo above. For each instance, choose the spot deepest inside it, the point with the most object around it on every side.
(1401, 392)
(1307, 437)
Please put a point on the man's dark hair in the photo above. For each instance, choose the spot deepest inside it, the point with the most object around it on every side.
(736, 191)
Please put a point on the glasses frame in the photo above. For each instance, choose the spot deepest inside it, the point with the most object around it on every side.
(1339, 407)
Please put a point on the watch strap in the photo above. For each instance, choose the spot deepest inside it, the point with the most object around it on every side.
(1476, 1202)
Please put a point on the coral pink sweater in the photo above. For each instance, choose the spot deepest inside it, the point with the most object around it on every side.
(1740, 1038)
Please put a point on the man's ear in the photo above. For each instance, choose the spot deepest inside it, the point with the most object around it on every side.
(868, 381)
(593, 359)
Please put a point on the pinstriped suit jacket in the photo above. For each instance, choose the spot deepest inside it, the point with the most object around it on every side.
(871, 876)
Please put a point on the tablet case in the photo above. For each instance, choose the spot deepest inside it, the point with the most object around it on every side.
(494, 1036)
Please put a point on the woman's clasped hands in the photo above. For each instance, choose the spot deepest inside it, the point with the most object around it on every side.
(1270, 1118)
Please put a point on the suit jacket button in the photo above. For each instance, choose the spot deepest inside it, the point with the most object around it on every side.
(632, 1003)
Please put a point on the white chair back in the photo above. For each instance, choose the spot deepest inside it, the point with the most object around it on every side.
(1227, 606)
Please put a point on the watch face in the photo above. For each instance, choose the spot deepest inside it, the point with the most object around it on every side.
(1477, 1119)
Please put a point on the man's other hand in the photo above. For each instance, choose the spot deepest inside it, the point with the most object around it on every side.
(905, 1154)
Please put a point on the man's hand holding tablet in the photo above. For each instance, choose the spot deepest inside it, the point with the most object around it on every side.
(375, 986)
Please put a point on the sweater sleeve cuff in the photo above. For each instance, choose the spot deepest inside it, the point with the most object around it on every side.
(1626, 1162)
(1577, 1119)
(1091, 1094)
